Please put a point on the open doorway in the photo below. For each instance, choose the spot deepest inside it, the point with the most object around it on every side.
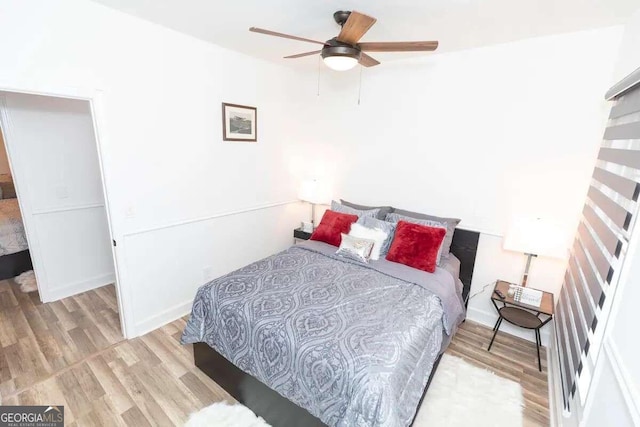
(54, 236)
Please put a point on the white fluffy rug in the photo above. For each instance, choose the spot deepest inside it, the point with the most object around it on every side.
(464, 395)
(221, 414)
(459, 395)
(27, 281)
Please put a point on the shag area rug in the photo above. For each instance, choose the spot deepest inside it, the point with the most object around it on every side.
(459, 395)
(27, 281)
(462, 394)
(222, 414)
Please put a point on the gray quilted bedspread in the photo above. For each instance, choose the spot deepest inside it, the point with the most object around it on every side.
(12, 237)
(348, 342)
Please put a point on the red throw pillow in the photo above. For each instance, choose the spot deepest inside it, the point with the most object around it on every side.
(416, 245)
(331, 227)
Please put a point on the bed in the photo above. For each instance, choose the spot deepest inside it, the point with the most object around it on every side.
(352, 344)
(14, 251)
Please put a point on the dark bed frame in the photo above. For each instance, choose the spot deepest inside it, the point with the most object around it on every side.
(13, 265)
(280, 411)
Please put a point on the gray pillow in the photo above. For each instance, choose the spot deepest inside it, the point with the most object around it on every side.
(384, 210)
(452, 223)
(337, 207)
(387, 227)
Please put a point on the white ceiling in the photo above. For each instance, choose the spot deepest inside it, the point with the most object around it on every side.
(457, 24)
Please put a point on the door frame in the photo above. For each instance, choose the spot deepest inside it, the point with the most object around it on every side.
(94, 98)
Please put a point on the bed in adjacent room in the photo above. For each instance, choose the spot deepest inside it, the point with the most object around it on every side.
(352, 343)
(14, 250)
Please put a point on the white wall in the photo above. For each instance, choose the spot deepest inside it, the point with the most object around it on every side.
(57, 177)
(159, 108)
(4, 160)
(477, 134)
(629, 57)
(483, 135)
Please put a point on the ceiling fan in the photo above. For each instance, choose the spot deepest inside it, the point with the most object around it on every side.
(344, 52)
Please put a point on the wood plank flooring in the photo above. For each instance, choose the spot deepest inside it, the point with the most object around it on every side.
(38, 340)
(151, 380)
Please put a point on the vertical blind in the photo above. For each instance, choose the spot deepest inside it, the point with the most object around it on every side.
(602, 236)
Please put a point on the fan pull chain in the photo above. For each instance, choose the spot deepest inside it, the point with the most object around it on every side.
(319, 67)
(360, 85)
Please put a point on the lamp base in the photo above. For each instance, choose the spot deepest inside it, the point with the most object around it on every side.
(525, 277)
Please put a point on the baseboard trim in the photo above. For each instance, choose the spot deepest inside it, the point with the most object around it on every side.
(490, 318)
(554, 379)
(158, 320)
(79, 287)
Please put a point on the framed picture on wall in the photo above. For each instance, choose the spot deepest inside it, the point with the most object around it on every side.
(239, 123)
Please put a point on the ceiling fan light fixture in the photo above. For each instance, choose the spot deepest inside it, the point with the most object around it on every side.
(340, 58)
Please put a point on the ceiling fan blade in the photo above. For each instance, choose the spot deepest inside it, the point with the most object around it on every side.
(356, 26)
(367, 61)
(399, 46)
(300, 55)
(286, 36)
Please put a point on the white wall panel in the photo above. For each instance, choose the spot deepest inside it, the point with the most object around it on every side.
(211, 248)
(609, 405)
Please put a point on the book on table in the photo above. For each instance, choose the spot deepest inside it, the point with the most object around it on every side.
(532, 297)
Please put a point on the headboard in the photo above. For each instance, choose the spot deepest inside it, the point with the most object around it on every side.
(464, 247)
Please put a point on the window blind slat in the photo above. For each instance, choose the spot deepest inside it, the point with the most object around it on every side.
(624, 186)
(614, 211)
(625, 131)
(566, 367)
(573, 346)
(570, 370)
(581, 328)
(628, 104)
(586, 303)
(599, 259)
(592, 283)
(605, 234)
(630, 158)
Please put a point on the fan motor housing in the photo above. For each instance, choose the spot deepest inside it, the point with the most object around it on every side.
(341, 16)
(349, 51)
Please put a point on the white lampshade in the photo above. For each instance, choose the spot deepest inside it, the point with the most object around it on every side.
(535, 236)
(313, 191)
(340, 63)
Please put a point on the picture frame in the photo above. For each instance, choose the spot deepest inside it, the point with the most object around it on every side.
(239, 123)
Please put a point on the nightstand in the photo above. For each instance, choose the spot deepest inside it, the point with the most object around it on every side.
(520, 314)
(299, 235)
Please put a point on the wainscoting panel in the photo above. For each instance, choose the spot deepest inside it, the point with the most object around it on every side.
(218, 245)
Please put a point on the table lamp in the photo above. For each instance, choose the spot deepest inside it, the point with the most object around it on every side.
(311, 191)
(533, 237)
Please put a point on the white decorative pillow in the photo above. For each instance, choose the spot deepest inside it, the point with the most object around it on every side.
(377, 235)
(355, 248)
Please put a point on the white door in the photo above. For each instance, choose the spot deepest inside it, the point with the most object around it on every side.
(55, 166)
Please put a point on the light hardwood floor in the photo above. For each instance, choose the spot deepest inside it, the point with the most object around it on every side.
(39, 340)
(151, 380)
